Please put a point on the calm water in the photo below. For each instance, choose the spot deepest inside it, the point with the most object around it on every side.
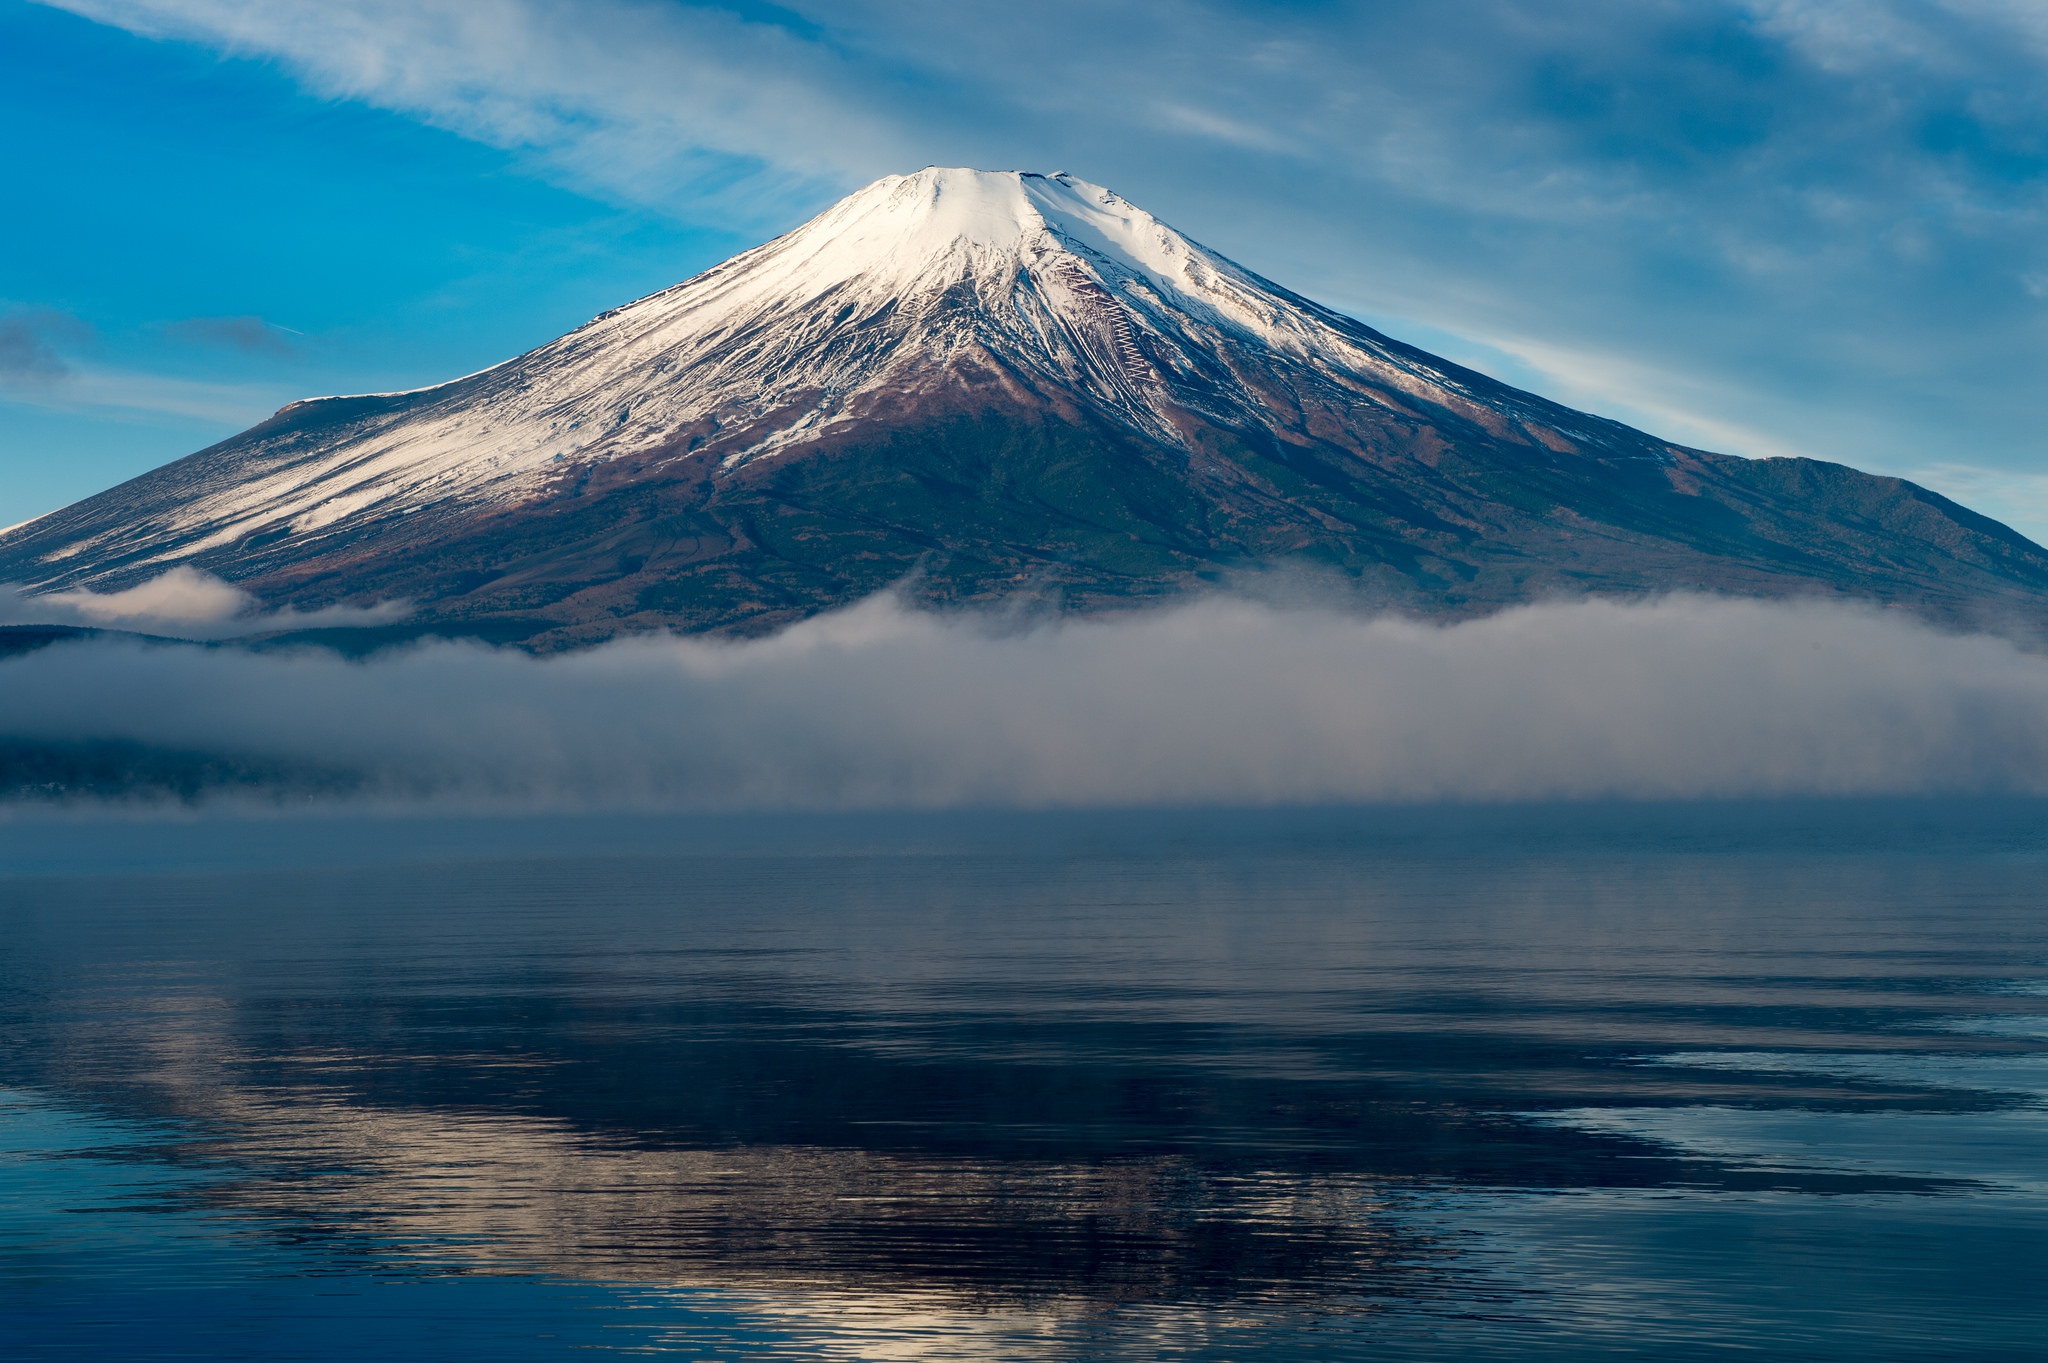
(1559, 1083)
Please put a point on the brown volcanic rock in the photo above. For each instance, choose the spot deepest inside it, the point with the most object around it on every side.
(991, 386)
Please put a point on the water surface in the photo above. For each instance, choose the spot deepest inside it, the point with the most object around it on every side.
(1564, 1082)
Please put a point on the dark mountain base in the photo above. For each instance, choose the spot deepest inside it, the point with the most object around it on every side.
(977, 509)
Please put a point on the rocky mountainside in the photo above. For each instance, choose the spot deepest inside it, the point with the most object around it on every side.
(986, 385)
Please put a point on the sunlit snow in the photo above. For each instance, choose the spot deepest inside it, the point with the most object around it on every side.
(1053, 280)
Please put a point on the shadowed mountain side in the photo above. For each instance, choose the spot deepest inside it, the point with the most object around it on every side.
(976, 507)
(995, 387)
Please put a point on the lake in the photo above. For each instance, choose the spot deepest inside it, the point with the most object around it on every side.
(1543, 1082)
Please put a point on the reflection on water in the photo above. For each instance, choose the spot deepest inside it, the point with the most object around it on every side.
(1340, 1084)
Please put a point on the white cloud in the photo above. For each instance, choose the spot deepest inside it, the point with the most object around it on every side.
(1750, 201)
(84, 387)
(1209, 123)
(628, 97)
(1849, 35)
(183, 603)
(183, 596)
(1218, 701)
(1860, 36)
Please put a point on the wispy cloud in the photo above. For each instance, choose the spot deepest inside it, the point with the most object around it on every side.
(1826, 208)
(1210, 123)
(249, 335)
(29, 340)
(1215, 702)
(649, 102)
(1687, 408)
(41, 365)
(2020, 499)
(82, 387)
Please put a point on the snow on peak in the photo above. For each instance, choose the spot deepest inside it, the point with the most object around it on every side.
(907, 235)
(928, 214)
(925, 213)
(1062, 282)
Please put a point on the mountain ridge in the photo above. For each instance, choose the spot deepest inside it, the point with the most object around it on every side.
(998, 382)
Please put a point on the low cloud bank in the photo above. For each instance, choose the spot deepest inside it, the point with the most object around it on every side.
(1219, 701)
(183, 603)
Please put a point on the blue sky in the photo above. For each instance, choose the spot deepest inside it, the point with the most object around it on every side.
(1774, 226)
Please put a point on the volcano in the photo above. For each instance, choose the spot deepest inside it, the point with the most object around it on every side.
(977, 387)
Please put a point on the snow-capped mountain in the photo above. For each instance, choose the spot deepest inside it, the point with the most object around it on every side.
(998, 382)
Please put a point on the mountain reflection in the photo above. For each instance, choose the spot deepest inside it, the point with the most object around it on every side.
(484, 1191)
(982, 1085)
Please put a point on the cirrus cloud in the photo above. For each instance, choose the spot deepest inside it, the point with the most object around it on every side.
(1803, 224)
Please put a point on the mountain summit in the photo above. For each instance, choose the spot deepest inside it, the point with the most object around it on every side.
(988, 384)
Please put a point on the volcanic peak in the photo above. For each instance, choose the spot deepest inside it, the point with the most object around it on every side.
(1046, 282)
(1001, 382)
(909, 233)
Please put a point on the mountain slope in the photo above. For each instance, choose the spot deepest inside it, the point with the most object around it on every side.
(993, 383)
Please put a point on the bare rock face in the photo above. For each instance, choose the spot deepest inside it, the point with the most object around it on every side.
(984, 385)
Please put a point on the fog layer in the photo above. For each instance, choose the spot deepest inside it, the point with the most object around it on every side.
(1219, 701)
(183, 603)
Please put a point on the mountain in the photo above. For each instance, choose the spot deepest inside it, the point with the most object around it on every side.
(989, 385)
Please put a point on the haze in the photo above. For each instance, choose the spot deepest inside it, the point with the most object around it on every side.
(1220, 701)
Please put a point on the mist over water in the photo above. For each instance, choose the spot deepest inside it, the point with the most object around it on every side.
(1613, 1067)
(1220, 701)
